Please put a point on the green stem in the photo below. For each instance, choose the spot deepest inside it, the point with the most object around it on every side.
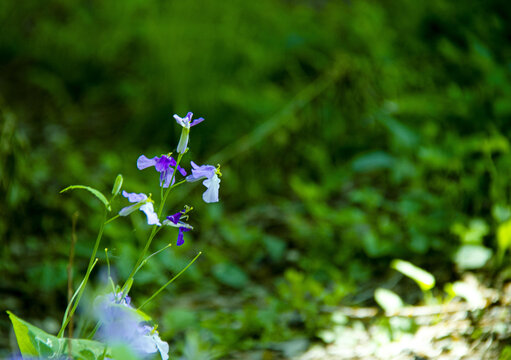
(92, 262)
(141, 257)
(150, 256)
(93, 332)
(78, 294)
(169, 282)
(112, 219)
(179, 183)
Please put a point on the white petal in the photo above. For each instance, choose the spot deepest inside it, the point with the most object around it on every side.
(213, 185)
(152, 217)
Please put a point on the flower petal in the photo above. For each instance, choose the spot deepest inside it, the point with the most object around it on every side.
(163, 346)
(179, 120)
(180, 236)
(134, 197)
(175, 217)
(181, 170)
(143, 162)
(196, 121)
(165, 178)
(200, 172)
(152, 217)
(213, 185)
(164, 162)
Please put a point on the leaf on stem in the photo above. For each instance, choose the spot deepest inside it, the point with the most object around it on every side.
(95, 192)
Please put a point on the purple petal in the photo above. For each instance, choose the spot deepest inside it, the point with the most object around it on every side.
(175, 218)
(200, 172)
(165, 178)
(189, 116)
(181, 170)
(134, 197)
(196, 121)
(143, 162)
(163, 163)
(180, 236)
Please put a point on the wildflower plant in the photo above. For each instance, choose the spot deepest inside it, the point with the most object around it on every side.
(122, 330)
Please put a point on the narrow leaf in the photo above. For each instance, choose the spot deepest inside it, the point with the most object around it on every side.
(95, 192)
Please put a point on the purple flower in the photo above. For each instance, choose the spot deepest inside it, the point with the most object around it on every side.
(121, 324)
(142, 203)
(164, 165)
(212, 182)
(186, 123)
(174, 220)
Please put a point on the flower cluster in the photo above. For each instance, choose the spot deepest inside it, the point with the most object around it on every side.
(121, 329)
(167, 166)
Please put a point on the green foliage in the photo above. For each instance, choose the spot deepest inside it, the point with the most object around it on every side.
(33, 341)
(350, 133)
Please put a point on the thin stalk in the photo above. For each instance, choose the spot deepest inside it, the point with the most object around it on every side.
(179, 183)
(141, 257)
(70, 277)
(150, 256)
(108, 267)
(169, 282)
(93, 332)
(69, 313)
(112, 219)
(92, 262)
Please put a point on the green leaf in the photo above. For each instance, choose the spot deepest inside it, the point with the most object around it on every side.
(22, 336)
(95, 192)
(33, 341)
(424, 279)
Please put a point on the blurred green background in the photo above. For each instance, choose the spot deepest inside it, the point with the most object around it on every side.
(350, 133)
